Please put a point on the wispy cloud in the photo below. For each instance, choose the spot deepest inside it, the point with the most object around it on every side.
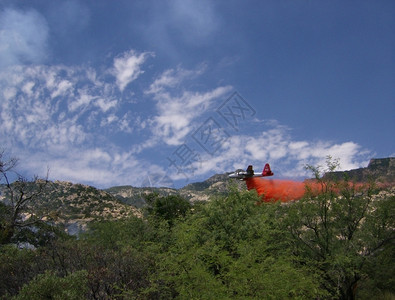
(60, 116)
(172, 78)
(195, 19)
(101, 167)
(177, 108)
(69, 16)
(127, 67)
(287, 156)
(23, 37)
(41, 102)
(169, 26)
(68, 118)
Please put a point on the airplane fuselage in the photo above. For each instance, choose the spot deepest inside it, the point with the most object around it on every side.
(249, 173)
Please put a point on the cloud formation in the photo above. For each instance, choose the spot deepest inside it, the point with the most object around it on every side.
(76, 121)
(23, 37)
(172, 25)
(69, 16)
(127, 67)
(178, 108)
(60, 116)
(287, 156)
(196, 20)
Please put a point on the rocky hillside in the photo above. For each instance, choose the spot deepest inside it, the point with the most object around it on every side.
(381, 170)
(75, 205)
(218, 184)
(135, 195)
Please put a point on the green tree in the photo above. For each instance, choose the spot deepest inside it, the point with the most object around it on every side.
(128, 253)
(51, 286)
(17, 267)
(377, 230)
(168, 208)
(232, 248)
(338, 232)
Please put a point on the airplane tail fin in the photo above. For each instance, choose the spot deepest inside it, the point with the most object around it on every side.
(266, 171)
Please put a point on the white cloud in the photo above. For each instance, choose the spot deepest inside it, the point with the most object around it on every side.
(83, 100)
(110, 119)
(68, 118)
(106, 104)
(177, 108)
(62, 88)
(176, 114)
(274, 144)
(23, 37)
(196, 19)
(27, 88)
(53, 109)
(65, 118)
(172, 23)
(127, 67)
(96, 166)
(171, 78)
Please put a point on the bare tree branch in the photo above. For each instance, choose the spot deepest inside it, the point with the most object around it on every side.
(20, 194)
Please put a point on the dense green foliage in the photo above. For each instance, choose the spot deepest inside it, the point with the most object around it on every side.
(51, 286)
(338, 244)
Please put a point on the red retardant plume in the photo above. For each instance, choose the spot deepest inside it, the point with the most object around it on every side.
(276, 189)
(288, 190)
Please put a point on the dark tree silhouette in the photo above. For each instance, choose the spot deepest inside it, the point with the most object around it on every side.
(17, 196)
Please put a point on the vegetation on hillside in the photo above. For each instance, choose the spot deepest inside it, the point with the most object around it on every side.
(338, 244)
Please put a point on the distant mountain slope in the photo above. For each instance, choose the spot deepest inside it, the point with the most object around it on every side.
(135, 195)
(199, 191)
(379, 169)
(75, 205)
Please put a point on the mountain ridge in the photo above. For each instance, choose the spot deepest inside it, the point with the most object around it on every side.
(74, 203)
(379, 169)
(71, 205)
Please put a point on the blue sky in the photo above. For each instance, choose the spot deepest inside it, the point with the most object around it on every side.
(171, 92)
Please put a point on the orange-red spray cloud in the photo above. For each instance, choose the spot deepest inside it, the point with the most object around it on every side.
(276, 189)
(288, 190)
